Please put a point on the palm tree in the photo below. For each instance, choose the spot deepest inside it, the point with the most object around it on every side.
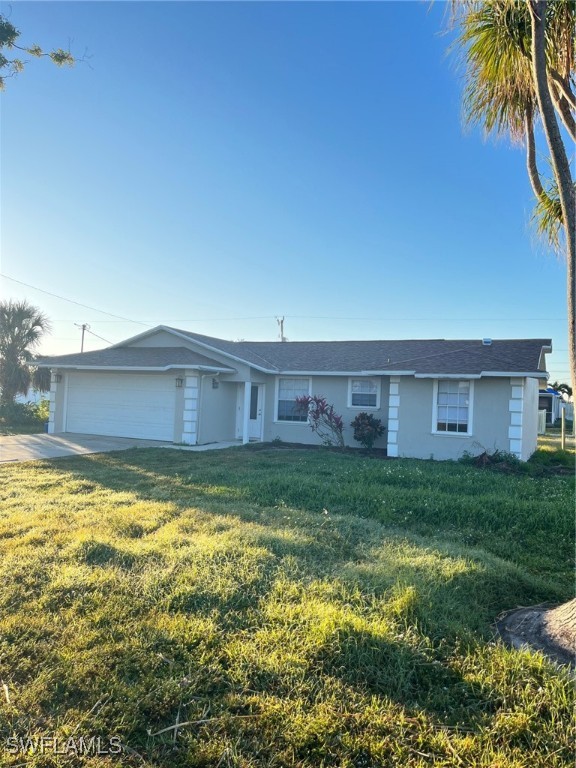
(21, 329)
(520, 70)
(563, 388)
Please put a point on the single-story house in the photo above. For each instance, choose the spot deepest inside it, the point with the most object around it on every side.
(436, 398)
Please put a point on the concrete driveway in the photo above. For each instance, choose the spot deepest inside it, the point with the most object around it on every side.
(31, 447)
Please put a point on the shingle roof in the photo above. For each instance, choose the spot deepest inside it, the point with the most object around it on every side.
(424, 356)
(420, 356)
(159, 358)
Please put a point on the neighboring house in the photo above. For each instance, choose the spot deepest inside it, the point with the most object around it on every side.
(551, 401)
(436, 398)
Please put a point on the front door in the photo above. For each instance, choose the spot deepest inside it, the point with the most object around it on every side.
(255, 420)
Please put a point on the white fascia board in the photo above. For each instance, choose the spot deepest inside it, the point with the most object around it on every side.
(518, 374)
(484, 374)
(344, 373)
(457, 376)
(173, 366)
(388, 373)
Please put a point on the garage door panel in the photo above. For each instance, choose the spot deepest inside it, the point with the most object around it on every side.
(121, 405)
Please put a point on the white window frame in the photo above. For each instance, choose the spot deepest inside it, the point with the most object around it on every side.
(442, 433)
(377, 380)
(276, 400)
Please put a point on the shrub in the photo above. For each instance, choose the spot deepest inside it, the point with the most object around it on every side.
(367, 429)
(20, 414)
(323, 419)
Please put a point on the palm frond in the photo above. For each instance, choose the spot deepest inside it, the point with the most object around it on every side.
(495, 45)
(547, 217)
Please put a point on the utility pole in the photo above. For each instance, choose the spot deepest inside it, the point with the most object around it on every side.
(85, 327)
(280, 321)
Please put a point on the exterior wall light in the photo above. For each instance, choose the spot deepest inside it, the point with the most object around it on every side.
(57, 378)
(215, 383)
(179, 382)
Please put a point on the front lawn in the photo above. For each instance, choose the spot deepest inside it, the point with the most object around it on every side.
(283, 607)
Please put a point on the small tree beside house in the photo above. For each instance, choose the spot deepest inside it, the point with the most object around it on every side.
(323, 419)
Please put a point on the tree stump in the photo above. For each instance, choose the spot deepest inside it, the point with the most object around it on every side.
(549, 629)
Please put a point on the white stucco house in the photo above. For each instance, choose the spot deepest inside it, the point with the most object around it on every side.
(436, 398)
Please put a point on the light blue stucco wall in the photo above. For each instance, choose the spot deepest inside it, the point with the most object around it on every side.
(335, 390)
(217, 407)
(490, 420)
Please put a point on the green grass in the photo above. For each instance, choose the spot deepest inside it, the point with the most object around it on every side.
(293, 607)
(551, 443)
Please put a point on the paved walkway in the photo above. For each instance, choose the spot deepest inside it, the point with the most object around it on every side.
(15, 448)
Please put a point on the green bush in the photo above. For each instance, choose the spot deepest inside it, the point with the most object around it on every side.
(21, 414)
(43, 410)
(367, 429)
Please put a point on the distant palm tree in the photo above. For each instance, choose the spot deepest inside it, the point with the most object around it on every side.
(520, 69)
(21, 329)
(565, 389)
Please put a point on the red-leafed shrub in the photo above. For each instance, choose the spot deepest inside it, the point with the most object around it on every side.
(323, 419)
(367, 429)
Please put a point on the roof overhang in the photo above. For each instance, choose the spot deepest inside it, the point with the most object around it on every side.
(138, 368)
(485, 375)
(343, 373)
(436, 375)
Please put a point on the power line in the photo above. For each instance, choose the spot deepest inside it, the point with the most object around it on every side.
(151, 323)
(347, 319)
(99, 337)
(71, 301)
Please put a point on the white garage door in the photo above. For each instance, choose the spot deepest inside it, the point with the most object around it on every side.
(121, 405)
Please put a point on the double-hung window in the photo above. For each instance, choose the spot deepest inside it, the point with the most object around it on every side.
(363, 393)
(453, 407)
(288, 390)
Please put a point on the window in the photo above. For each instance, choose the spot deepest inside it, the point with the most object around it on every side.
(288, 391)
(363, 393)
(453, 407)
(254, 402)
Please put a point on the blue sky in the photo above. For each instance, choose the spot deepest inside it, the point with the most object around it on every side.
(214, 165)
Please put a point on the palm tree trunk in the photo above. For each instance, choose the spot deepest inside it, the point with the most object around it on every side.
(564, 88)
(560, 165)
(563, 109)
(531, 164)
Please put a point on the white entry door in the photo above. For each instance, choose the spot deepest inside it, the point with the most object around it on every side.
(255, 420)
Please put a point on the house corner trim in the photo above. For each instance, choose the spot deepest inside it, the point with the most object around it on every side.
(393, 416)
(516, 410)
(190, 414)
